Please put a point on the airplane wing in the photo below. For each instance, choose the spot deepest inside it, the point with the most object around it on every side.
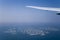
(45, 8)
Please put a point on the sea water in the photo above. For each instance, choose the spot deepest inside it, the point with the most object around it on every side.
(15, 31)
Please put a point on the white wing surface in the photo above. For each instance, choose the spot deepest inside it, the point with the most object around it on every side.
(45, 8)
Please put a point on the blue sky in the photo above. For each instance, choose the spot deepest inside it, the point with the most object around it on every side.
(15, 11)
